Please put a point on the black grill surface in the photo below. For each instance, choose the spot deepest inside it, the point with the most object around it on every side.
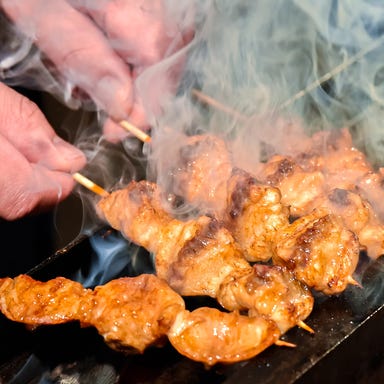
(347, 344)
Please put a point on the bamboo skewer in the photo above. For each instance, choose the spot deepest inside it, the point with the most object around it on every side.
(141, 135)
(216, 104)
(282, 343)
(89, 184)
(312, 86)
(305, 326)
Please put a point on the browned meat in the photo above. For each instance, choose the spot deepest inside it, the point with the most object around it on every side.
(127, 312)
(358, 216)
(201, 258)
(33, 302)
(133, 312)
(211, 336)
(271, 291)
(254, 215)
(193, 256)
(136, 312)
(371, 187)
(320, 251)
(298, 188)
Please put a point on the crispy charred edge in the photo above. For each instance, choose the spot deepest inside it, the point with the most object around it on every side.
(301, 255)
(240, 192)
(303, 246)
(205, 235)
(339, 197)
(285, 168)
(142, 192)
(295, 298)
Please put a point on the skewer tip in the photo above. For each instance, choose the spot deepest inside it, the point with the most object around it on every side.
(352, 281)
(141, 135)
(89, 184)
(306, 327)
(282, 343)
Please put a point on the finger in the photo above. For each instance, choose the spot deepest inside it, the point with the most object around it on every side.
(78, 49)
(24, 125)
(142, 32)
(114, 132)
(25, 187)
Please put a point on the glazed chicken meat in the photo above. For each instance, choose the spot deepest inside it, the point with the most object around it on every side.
(258, 243)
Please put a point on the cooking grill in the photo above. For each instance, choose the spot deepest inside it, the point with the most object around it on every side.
(347, 344)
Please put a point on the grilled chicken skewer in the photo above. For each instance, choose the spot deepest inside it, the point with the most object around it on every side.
(320, 251)
(200, 257)
(134, 313)
(294, 184)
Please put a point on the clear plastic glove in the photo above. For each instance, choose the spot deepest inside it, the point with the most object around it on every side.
(35, 164)
(102, 45)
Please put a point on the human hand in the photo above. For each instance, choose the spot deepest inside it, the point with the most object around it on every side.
(35, 164)
(101, 46)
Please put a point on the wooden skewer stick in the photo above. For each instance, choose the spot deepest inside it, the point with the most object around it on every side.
(306, 327)
(141, 135)
(214, 103)
(89, 184)
(352, 281)
(282, 343)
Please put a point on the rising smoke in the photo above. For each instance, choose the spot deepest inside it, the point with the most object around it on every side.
(253, 56)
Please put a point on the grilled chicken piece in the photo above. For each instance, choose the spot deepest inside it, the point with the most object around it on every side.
(358, 216)
(193, 256)
(371, 187)
(212, 336)
(197, 257)
(133, 312)
(333, 153)
(319, 250)
(298, 188)
(136, 312)
(127, 312)
(271, 291)
(254, 215)
(33, 302)
(203, 169)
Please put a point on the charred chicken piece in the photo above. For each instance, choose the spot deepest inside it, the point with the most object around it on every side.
(193, 256)
(319, 250)
(196, 257)
(299, 188)
(358, 216)
(254, 215)
(271, 291)
(136, 312)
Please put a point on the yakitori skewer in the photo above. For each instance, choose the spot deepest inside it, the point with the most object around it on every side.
(89, 184)
(141, 135)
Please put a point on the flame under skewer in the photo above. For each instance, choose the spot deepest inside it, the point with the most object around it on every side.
(89, 184)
